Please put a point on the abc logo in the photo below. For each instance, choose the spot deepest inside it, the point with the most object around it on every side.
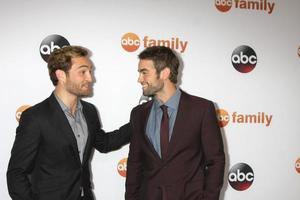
(130, 42)
(223, 117)
(122, 167)
(223, 5)
(297, 165)
(20, 110)
(244, 59)
(50, 43)
(241, 176)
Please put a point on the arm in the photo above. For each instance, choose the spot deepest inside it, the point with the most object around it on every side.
(102, 141)
(114, 140)
(214, 154)
(22, 159)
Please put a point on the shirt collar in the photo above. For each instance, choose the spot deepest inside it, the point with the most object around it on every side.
(64, 107)
(172, 102)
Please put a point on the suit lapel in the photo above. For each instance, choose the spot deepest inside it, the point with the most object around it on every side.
(88, 120)
(144, 120)
(63, 125)
(179, 124)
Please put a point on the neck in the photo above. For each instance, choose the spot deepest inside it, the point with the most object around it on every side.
(166, 93)
(70, 100)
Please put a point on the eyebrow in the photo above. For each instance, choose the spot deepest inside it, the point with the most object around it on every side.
(85, 66)
(142, 70)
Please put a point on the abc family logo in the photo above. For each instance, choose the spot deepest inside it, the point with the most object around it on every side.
(244, 59)
(20, 110)
(241, 176)
(259, 5)
(131, 42)
(259, 118)
(122, 167)
(297, 165)
(50, 43)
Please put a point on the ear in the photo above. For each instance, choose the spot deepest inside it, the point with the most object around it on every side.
(61, 76)
(165, 73)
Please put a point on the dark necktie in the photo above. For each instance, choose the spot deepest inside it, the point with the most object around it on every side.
(164, 131)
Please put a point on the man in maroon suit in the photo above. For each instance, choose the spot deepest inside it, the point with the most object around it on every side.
(176, 150)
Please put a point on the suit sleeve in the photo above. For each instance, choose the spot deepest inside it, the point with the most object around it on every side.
(110, 141)
(22, 158)
(214, 154)
(134, 164)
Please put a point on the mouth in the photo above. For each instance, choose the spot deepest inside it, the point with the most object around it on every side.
(87, 86)
(144, 86)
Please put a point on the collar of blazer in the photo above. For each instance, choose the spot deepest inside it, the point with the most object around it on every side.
(180, 123)
(62, 123)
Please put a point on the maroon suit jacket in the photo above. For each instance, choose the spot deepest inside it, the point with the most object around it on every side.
(194, 166)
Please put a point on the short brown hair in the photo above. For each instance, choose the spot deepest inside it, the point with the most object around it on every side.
(162, 57)
(62, 59)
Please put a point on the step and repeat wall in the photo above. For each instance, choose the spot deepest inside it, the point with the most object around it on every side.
(244, 55)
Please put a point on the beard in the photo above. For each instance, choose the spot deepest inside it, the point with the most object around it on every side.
(152, 90)
(79, 90)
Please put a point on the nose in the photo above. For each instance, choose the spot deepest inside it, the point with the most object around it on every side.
(89, 77)
(140, 79)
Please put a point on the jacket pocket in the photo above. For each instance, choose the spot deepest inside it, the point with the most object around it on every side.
(50, 184)
(194, 190)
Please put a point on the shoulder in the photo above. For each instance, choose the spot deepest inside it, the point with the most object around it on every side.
(195, 100)
(89, 109)
(38, 108)
(36, 113)
(142, 107)
(88, 105)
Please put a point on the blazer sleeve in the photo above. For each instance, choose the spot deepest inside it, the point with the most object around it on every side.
(22, 158)
(110, 141)
(105, 141)
(213, 153)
